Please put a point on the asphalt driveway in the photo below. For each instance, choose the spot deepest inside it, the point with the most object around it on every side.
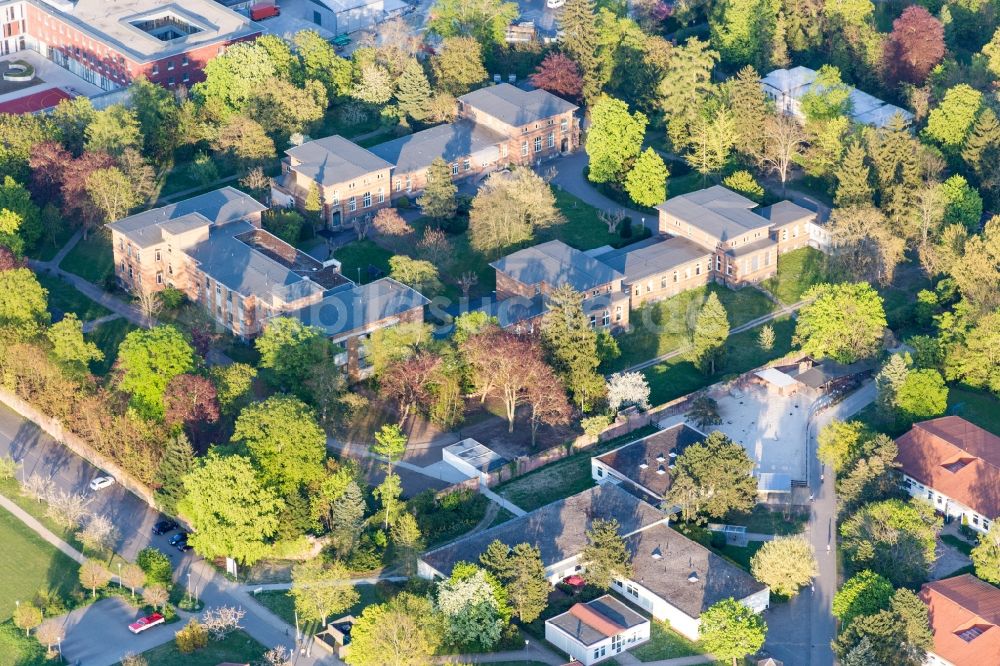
(98, 634)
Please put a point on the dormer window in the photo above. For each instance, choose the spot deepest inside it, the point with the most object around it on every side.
(660, 457)
(643, 465)
(973, 632)
(660, 471)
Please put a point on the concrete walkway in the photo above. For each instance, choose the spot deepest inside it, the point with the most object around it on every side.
(505, 503)
(534, 652)
(753, 323)
(269, 587)
(569, 177)
(89, 326)
(95, 293)
(41, 530)
(626, 659)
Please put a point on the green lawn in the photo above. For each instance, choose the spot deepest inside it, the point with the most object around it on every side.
(961, 545)
(107, 337)
(661, 327)
(664, 643)
(29, 563)
(16, 649)
(561, 478)
(361, 255)
(11, 489)
(237, 647)
(981, 408)
(582, 228)
(52, 240)
(798, 270)
(91, 259)
(678, 376)
(739, 555)
(65, 298)
(767, 521)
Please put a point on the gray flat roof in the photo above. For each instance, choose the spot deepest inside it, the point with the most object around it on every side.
(657, 475)
(717, 211)
(217, 207)
(610, 615)
(555, 263)
(334, 159)
(652, 258)
(353, 309)
(785, 212)
(559, 530)
(450, 142)
(514, 106)
(684, 573)
(113, 23)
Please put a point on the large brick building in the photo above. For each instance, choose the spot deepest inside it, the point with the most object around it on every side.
(711, 235)
(497, 126)
(211, 247)
(112, 42)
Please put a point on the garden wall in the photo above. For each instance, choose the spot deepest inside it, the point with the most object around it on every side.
(74, 443)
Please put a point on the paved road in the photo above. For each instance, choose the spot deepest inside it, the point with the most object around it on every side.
(40, 454)
(569, 176)
(800, 631)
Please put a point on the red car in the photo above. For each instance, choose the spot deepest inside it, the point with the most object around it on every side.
(144, 623)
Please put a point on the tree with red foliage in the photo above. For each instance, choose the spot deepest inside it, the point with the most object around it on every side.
(189, 400)
(507, 365)
(559, 75)
(8, 260)
(76, 202)
(547, 399)
(48, 164)
(408, 382)
(914, 47)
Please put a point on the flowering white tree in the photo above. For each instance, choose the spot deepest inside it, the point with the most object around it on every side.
(36, 487)
(628, 388)
(471, 611)
(276, 656)
(221, 621)
(99, 534)
(68, 509)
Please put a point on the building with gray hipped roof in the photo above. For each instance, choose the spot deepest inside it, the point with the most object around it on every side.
(212, 248)
(541, 269)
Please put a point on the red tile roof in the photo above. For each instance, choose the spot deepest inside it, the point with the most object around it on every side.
(965, 619)
(595, 620)
(955, 458)
(35, 102)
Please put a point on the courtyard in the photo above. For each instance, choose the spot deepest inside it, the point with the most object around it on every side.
(51, 84)
(770, 427)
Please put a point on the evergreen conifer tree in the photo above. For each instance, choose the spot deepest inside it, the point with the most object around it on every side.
(710, 332)
(854, 179)
(571, 345)
(438, 199)
(579, 25)
(178, 460)
(413, 92)
(748, 106)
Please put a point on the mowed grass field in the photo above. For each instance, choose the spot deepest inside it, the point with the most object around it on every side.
(28, 563)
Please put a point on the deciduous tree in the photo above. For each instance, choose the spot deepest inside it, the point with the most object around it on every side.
(69, 346)
(730, 631)
(546, 398)
(646, 182)
(914, 47)
(417, 273)
(147, 361)
(404, 631)
(560, 75)
(458, 66)
(94, 574)
(290, 349)
(509, 209)
(893, 538)
(474, 607)
(844, 322)
(785, 564)
(484, 20)
(950, 122)
(784, 140)
(522, 573)
(614, 140)
(189, 400)
(712, 478)
(233, 513)
(864, 593)
(27, 616)
(322, 589)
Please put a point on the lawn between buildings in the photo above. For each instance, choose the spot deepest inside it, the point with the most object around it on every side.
(91, 258)
(237, 647)
(65, 298)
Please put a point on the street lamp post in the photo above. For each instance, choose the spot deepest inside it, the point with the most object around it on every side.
(190, 598)
(119, 575)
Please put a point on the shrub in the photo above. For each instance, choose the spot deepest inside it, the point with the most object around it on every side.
(192, 637)
(171, 297)
(156, 565)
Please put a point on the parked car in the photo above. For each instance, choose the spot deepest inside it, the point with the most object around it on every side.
(183, 545)
(144, 623)
(164, 526)
(177, 538)
(102, 482)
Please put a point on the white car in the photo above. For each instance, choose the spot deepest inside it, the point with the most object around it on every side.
(554, 4)
(102, 482)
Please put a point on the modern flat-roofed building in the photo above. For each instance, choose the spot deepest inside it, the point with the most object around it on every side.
(597, 630)
(955, 466)
(211, 248)
(497, 126)
(965, 621)
(112, 42)
(786, 88)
